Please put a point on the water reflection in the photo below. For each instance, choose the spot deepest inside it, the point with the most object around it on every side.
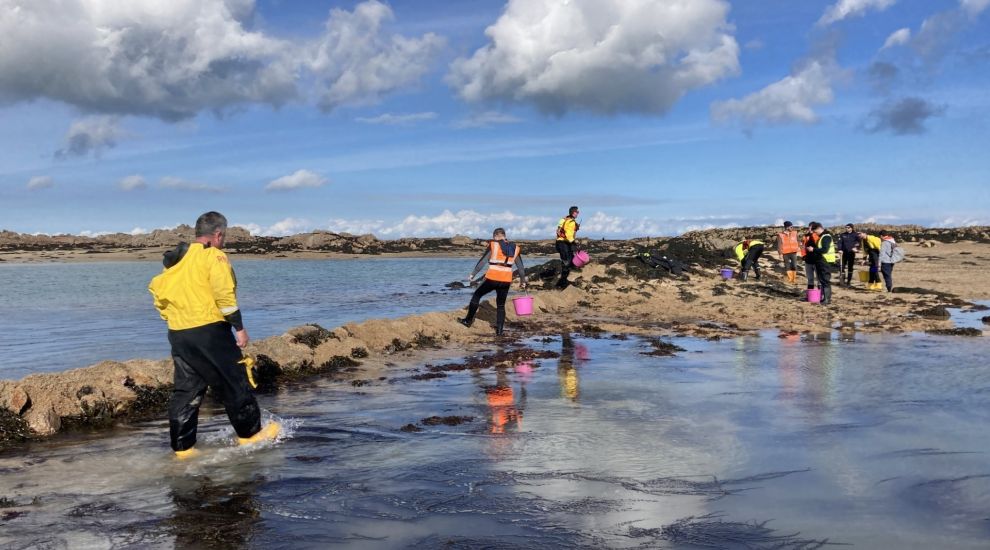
(852, 443)
(571, 353)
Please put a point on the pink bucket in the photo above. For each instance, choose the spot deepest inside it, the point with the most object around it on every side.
(814, 295)
(580, 258)
(523, 305)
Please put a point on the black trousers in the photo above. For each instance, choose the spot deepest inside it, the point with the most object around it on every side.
(874, 256)
(824, 273)
(566, 251)
(888, 276)
(848, 262)
(790, 261)
(501, 292)
(204, 357)
(809, 272)
(752, 259)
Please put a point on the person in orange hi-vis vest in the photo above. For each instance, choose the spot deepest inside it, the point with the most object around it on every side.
(502, 257)
(788, 249)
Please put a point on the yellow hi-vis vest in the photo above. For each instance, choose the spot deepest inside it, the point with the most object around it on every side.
(871, 243)
(199, 290)
(740, 253)
(829, 254)
(500, 265)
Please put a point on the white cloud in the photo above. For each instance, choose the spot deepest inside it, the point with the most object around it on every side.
(486, 119)
(398, 120)
(138, 231)
(606, 56)
(132, 183)
(974, 7)
(164, 59)
(91, 135)
(40, 182)
(180, 184)
(852, 8)
(897, 38)
(299, 179)
(791, 99)
(174, 59)
(356, 62)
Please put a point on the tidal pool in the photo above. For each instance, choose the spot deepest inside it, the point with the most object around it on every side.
(875, 441)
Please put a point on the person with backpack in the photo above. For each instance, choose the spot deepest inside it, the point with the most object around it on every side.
(748, 253)
(789, 249)
(871, 246)
(502, 257)
(849, 246)
(821, 255)
(890, 254)
(566, 229)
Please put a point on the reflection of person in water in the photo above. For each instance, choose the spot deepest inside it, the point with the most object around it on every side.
(567, 373)
(502, 403)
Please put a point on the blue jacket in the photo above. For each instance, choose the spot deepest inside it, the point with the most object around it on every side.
(847, 242)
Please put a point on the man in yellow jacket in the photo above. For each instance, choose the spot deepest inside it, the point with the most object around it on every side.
(196, 295)
(566, 229)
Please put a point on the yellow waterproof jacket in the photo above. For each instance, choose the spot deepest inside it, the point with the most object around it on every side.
(741, 252)
(197, 291)
(568, 226)
(871, 243)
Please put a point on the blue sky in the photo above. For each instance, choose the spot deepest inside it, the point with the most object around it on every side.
(429, 117)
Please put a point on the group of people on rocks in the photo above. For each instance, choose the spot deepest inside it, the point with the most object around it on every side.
(820, 251)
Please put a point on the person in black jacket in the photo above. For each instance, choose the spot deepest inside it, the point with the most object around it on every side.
(848, 245)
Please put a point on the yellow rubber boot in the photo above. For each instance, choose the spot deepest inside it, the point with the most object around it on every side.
(191, 452)
(792, 276)
(268, 432)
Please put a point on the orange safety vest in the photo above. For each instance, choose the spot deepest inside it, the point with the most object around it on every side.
(500, 265)
(788, 242)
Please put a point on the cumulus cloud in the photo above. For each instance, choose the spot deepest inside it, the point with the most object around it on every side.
(288, 226)
(356, 62)
(899, 37)
(300, 179)
(789, 100)
(905, 116)
(40, 182)
(91, 135)
(172, 60)
(144, 57)
(132, 183)
(852, 8)
(389, 119)
(486, 119)
(179, 184)
(607, 56)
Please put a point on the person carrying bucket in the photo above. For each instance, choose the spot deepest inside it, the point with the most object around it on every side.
(822, 255)
(871, 246)
(502, 257)
(809, 239)
(788, 248)
(196, 295)
(748, 253)
(566, 229)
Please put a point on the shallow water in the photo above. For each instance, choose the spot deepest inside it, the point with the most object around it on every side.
(875, 441)
(55, 317)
